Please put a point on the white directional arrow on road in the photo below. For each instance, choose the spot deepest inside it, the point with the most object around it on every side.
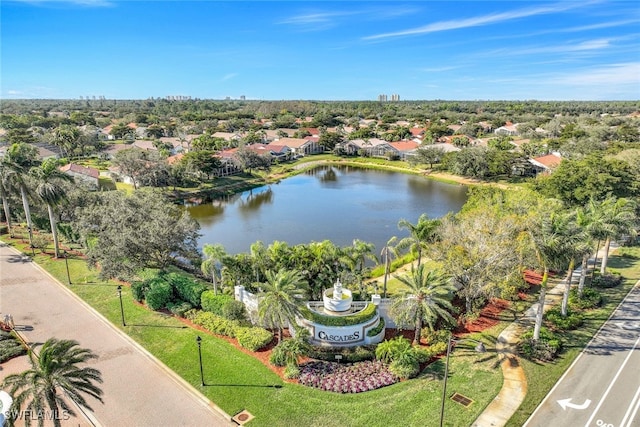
(566, 403)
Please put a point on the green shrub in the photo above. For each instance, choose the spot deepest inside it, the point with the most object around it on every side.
(435, 349)
(569, 322)
(436, 336)
(291, 371)
(607, 280)
(390, 350)
(214, 303)
(362, 316)
(179, 308)
(545, 349)
(234, 310)
(253, 338)
(139, 289)
(404, 369)
(375, 331)
(159, 294)
(186, 288)
(590, 299)
(216, 324)
(349, 354)
(278, 355)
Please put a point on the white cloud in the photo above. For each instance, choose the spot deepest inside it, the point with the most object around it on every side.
(612, 74)
(88, 3)
(478, 20)
(228, 76)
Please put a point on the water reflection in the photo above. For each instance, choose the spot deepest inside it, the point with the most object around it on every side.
(334, 203)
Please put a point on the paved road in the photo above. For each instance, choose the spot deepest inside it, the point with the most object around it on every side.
(602, 387)
(138, 390)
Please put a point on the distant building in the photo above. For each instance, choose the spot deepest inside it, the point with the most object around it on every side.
(395, 97)
(87, 175)
(382, 98)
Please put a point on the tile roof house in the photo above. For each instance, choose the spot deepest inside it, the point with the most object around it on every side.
(300, 146)
(87, 175)
(546, 164)
(404, 148)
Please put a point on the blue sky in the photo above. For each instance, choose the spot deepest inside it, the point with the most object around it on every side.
(347, 50)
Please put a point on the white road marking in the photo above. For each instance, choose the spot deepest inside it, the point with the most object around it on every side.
(604, 396)
(628, 415)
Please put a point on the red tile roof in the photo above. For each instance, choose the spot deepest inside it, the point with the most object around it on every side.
(83, 170)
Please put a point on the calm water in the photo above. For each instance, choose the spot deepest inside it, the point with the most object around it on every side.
(336, 203)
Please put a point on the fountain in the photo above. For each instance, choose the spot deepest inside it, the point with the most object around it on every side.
(337, 300)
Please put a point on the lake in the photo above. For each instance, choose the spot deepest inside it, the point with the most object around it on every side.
(337, 203)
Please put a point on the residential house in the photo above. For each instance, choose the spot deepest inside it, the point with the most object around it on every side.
(83, 174)
(546, 164)
(373, 147)
(300, 146)
(403, 149)
(508, 129)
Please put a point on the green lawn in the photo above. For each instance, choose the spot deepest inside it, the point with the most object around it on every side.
(542, 376)
(237, 381)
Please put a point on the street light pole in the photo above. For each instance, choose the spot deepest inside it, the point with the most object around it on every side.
(121, 307)
(66, 263)
(479, 349)
(199, 341)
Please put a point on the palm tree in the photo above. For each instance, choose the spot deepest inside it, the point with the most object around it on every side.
(618, 217)
(48, 179)
(6, 187)
(282, 295)
(421, 234)
(388, 252)
(357, 256)
(577, 246)
(214, 255)
(426, 300)
(19, 158)
(55, 370)
(549, 237)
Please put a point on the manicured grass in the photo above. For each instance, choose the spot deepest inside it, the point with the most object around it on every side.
(237, 381)
(543, 376)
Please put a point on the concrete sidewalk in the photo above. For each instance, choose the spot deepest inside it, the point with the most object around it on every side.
(138, 389)
(514, 387)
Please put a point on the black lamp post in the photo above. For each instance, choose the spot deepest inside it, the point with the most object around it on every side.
(199, 341)
(66, 263)
(479, 349)
(121, 307)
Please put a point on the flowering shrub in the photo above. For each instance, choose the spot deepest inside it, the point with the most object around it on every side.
(355, 378)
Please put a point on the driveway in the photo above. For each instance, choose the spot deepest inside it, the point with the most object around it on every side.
(138, 389)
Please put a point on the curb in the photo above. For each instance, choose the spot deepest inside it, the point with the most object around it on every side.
(201, 398)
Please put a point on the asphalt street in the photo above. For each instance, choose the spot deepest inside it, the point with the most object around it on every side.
(138, 389)
(602, 386)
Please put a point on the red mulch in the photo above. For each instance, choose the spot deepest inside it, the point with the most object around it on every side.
(489, 317)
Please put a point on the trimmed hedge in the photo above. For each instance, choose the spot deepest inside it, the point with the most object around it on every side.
(187, 289)
(179, 308)
(349, 354)
(216, 324)
(375, 331)
(545, 349)
(607, 281)
(362, 316)
(214, 303)
(253, 338)
(234, 310)
(160, 294)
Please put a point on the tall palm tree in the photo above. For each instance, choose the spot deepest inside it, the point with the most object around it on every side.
(577, 246)
(550, 236)
(618, 217)
(357, 256)
(6, 187)
(20, 158)
(259, 257)
(386, 254)
(421, 234)
(426, 300)
(48, 179)
(280, 300)
(55, 370)
(210, 265)
(586, 220)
